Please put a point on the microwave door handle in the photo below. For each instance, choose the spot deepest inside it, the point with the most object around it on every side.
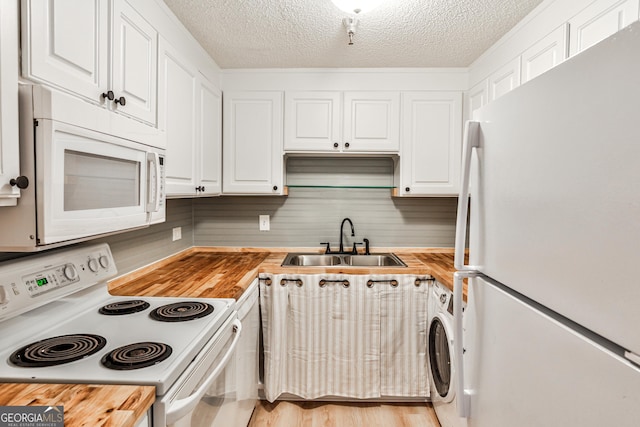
(153, 165)
(182, 407)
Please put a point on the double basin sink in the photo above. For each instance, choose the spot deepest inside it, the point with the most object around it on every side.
(342, 260)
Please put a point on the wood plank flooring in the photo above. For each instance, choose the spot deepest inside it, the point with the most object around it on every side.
(330, 414)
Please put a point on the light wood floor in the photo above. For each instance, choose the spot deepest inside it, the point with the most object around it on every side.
(330, 414)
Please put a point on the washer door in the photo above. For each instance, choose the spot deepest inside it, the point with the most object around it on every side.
(440, 359)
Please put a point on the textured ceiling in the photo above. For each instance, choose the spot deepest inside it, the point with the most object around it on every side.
(310, 33)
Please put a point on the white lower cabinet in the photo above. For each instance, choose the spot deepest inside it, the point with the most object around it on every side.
(431, 144)
(600, 20)
(252, 143)
(190, 115)
(9, 142)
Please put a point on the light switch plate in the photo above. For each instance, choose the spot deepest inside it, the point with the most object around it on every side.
(177, 233)
(264, 222)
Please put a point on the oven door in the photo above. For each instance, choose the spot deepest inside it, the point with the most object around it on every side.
(204, 395)
(89, 183)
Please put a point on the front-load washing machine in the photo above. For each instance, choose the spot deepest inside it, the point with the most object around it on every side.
(441, 354)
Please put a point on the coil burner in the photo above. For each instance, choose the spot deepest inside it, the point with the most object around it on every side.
(57, 350)
(181, 311)
(136, 356)
(124, 307)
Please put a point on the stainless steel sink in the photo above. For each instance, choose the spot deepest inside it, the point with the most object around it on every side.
(325, 260)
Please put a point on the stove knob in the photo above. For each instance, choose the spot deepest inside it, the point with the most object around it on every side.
(70, 272)
(93, 265)
(104, 261)
(443, 298)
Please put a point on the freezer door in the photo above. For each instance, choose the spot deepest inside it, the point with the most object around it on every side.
(524, 368)
(555, 194)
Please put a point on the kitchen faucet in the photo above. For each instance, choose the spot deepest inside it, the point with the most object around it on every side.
(353, 233)
(341, 250)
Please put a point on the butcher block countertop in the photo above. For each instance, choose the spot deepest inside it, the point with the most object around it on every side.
(84, 404)
(218, 272)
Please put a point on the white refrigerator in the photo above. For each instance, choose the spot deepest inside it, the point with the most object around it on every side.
(551, 333)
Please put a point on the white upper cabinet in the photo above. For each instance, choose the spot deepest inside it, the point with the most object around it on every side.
(545, 54)
(505, 79)
(342, 121)
(209, 155)
(431, 144)
(134, 45)
(253, 143)
(600, 20)
(190, 115)
(372, 121)
(312, 121)
(478, 96)
(66, 45)
(9, 142)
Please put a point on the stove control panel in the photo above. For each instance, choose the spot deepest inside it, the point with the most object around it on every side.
(56, 277)
(30, 282)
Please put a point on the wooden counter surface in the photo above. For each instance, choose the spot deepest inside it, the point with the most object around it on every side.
(207, 272)
(84, 404)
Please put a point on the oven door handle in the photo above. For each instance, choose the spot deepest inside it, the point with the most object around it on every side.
(182, 407)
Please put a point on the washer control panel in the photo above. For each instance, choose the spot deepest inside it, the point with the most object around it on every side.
(30, 282)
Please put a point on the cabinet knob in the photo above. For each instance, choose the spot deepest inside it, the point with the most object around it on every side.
(275, 188)
(407, 189)
(108, 95)
(346, 145)
(21, 182)
(122, 101)
(335, 145)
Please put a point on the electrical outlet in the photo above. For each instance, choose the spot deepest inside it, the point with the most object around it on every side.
(264, 222)
(177, 233)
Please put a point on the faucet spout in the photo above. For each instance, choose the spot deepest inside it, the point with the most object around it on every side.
(353, 232)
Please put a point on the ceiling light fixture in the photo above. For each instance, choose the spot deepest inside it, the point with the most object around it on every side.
(355, 7)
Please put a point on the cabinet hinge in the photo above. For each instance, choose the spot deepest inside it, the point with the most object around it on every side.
(35, 122)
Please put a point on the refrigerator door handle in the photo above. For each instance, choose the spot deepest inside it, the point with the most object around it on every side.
(471, 141)
(462, 399)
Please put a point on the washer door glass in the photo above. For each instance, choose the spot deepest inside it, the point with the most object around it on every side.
(439, 357)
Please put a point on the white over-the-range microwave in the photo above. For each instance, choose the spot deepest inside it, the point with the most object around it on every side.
(82, 183)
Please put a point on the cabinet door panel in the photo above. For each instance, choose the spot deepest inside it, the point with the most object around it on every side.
(210, 135)
(432, 142)
(252, 152)
(178, 119)
(312, 121)
(546, 54)
(504, 80)
(478, 96)
(9, 143)
(372, 121)
(134, 63)
(598, 21)
(66, 45)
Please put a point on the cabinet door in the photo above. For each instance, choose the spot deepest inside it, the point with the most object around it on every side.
(209, 148)
(504, 80)
(252, 143)
(312, 121)
(545, 54)
(177, 101)
(372, 121)
(598, 21)
(65, 44)
(9, 143)
(431, 143)
(478, 96)
(134, 63)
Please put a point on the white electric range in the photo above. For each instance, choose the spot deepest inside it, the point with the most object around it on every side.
(59, 324)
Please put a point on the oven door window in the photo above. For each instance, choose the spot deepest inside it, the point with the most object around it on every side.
(94, 181)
